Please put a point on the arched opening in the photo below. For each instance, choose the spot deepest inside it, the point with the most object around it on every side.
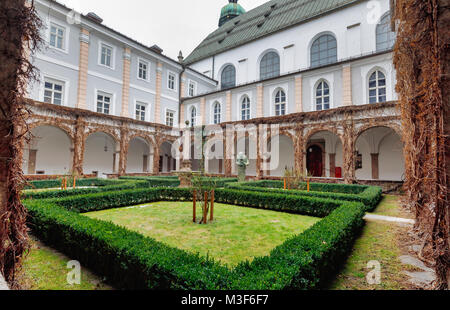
(167, 163)
(101, 154)
(380, 152)
(140, 156)
(281, 150)
(385, 37)
(48, 152)
(324, 155)
(214, 160)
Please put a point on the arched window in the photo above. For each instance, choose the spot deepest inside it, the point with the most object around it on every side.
(217, 113)
(385, 37)
(323, 51)
(280, 103)
(228, 77)
(269, 66)
(377, 87)
(322, 96)
(194, 116)
(245, 108)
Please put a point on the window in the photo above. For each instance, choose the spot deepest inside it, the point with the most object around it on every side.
(245, 108)
(269, 66)
(280, 103)
(170, 117)
(377, 87)
(193, 117)
(322, 96)
(323, 51)
(171, 81)
(217, 113)
(192, 88)
(53, 91)
(104, 103)
(57, 36)
(140, 111)
(143, 70)
(385, 37)
(228, 78)
(106, 53)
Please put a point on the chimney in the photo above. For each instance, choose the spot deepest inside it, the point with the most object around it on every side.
(157, 49)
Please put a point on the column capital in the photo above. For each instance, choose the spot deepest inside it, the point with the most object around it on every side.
(84, 36)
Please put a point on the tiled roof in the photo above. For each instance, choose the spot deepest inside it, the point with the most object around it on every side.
(263, 20)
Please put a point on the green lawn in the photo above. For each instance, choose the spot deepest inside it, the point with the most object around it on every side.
(380, 241)
(390, 205)
(237, 234)
(46, 269)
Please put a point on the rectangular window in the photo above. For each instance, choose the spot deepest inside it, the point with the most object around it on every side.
(57, 36)
(171, 81)
(140, 111)
(53, 91)
(191, 89)
(106, 55)
(143, 70)
(104, 101)
(170, 116)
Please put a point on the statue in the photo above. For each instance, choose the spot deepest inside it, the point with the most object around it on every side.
(242, 162)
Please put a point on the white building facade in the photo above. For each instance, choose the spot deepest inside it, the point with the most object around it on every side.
(291, 60)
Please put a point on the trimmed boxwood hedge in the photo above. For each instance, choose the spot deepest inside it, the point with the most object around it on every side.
(171, 181)
(130, 260)
(370, 196)
(101, 185)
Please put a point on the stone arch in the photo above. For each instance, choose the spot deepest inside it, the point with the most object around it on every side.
(331, 144)
(101, 152)
(53, 123)
(381, 149)
(49, 151)
(109, 131)
(139, 152)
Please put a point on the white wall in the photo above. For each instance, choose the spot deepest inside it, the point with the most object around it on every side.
(95, 157)
(351, 42)
(135, 158)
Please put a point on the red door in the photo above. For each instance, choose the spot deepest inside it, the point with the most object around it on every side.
(314, 161)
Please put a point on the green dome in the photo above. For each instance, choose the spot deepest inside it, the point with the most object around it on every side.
(230, 11)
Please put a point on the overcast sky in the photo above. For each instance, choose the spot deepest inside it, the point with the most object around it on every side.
(173, 25)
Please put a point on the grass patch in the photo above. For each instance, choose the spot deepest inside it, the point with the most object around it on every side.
(382, 242)
(237, 234)
(390, 205)
(46, 269)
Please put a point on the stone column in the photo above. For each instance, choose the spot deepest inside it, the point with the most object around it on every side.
(123, 152)
(298, 150)
(259, 171)
(332, 158)
(78, 147)
(83, 69)
(126, 82)
(159, 70)
(299, 93)
(375, 166)
(203, 110)
(347, 85)
(228, 144)
(156, 159)
(349, 154)
(228, 106)
(259, 100)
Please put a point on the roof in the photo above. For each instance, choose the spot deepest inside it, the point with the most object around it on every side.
(263, 20)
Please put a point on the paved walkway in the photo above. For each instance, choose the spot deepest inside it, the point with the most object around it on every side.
(3, 285)
(383, 218)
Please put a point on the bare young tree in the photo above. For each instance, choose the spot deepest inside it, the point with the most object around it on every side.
(19, 33)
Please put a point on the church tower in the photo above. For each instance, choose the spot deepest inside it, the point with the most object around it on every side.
(230, 11)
